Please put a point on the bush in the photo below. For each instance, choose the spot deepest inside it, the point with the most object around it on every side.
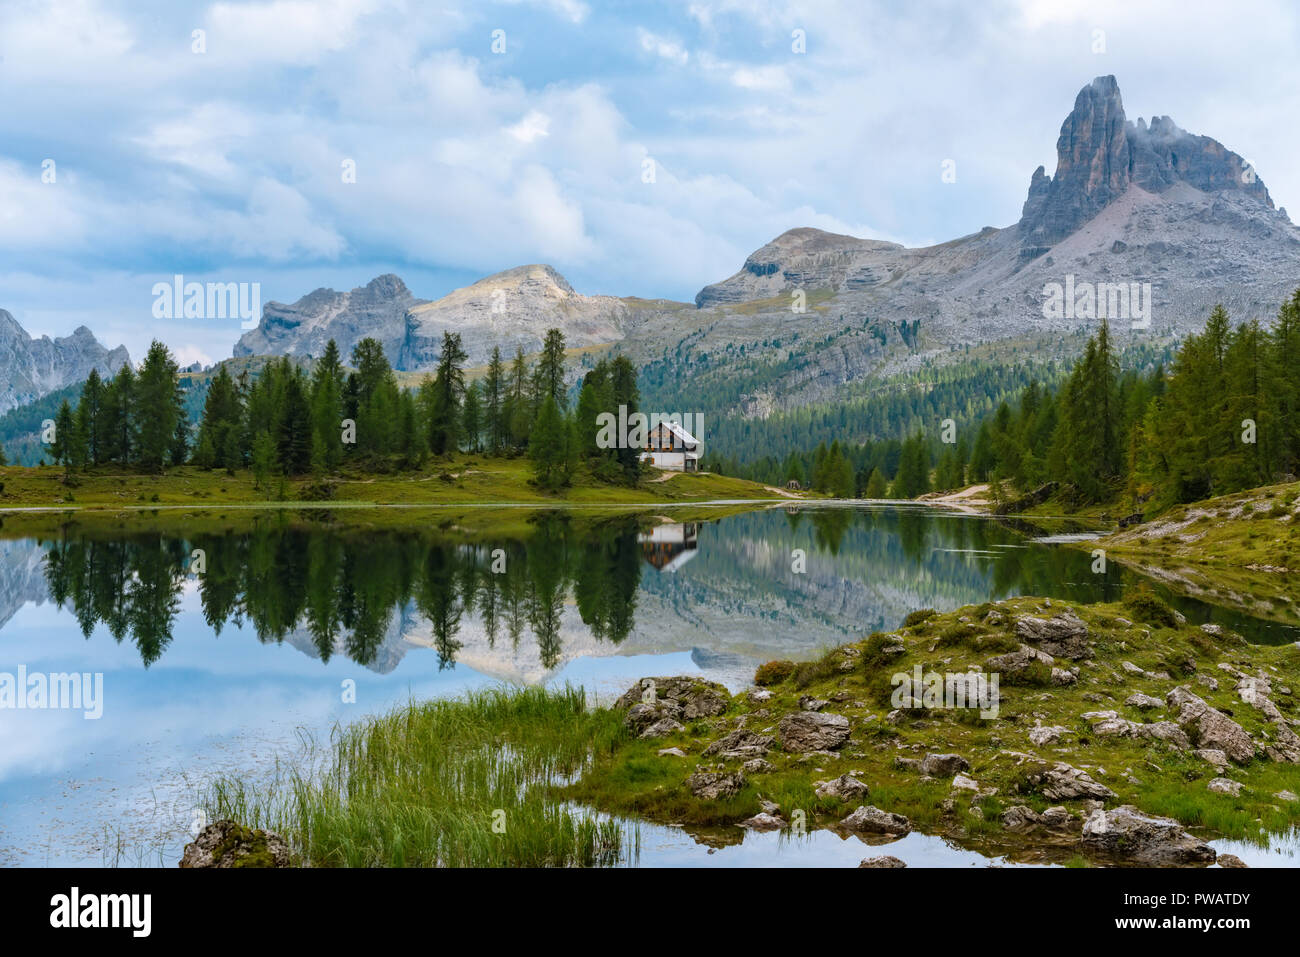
(773, 673)
(916, 617)
(1145, 605)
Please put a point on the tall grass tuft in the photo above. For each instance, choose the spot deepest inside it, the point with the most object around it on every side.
(460, 783)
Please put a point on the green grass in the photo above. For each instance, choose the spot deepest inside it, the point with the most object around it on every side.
(464, 783)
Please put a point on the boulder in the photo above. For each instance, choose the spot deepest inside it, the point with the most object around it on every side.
(1225, 786)
(1143, 702)
(655, 717)
(1231, 860)
(756, 766)
(885, 860)
(1065, 635)
(714, 785)
(1209, 727)
(872, 820)
(1066, 783)
(1125, 832)
(846, 787)
(809, 703)
(741, 744)
(943, 765)
(812, 731)
(1046, 734)
(229, 844)
(1213, 756)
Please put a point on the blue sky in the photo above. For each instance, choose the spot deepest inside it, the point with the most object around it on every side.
(226, 164)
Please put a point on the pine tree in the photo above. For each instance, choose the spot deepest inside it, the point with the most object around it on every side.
(494, 402)
(471, 416)
(158, 405)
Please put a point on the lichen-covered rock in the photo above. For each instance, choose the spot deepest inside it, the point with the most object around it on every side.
(1064, 635)
(228, 844)
(872, 820)
(695, 697)
(653, 719)
(812, 731)
(943, 765)
(1127, 833)
(713, 785)
(884, 860)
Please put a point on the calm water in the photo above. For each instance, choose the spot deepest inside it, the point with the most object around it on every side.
(220, 652)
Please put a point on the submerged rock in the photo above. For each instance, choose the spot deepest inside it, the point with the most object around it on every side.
(873, 820)
(228, 844)
(1127, 833)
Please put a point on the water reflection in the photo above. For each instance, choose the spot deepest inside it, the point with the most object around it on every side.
(727, 587)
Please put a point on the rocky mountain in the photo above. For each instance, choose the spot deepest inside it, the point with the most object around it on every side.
(510, 309)
(376, 310)
(31, 368)
(1145, 207)
(1150, 225)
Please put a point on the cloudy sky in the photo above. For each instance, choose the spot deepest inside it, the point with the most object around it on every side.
(222, 155)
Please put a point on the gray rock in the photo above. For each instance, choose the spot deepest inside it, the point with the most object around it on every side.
(1064, 783)
(1230, 860)
(1225, 786)
(809, 703)
(1214, 756)
(32, 368)
(1209, 727)
(764, 822)
(1143, 702)
(741, 744)
(812, 731)
(846, 787)
(1127, 833)
(757, 766)
(885, 860)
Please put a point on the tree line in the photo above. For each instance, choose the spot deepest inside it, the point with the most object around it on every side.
(293, 421)
(1222, 415)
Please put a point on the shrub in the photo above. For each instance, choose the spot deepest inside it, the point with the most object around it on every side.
(916, 617)
(773, 673)
(1146, 606)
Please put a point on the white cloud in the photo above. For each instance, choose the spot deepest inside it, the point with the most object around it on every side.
(662, 47)
(531, 128)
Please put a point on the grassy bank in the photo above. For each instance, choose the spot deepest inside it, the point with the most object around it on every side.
(445, 783)
(1240, 550)
(472, 493)
(855, 681)
(420, 786)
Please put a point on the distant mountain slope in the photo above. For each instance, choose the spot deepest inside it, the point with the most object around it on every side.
(510, 309)
(31, 368)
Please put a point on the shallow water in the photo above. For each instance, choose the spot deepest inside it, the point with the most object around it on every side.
(283, 633)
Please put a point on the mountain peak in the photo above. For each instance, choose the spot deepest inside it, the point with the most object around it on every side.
(1099, 154)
